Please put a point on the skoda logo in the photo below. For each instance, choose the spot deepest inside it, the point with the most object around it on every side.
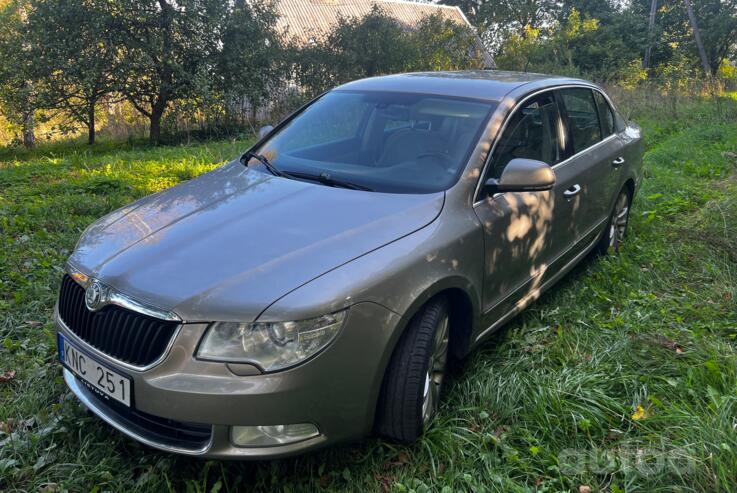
(93, 296)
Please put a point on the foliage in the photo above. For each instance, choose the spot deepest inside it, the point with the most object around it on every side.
(377, 44)
(19, 95)
(498, 20)
(166, 52)
(535, 34)
(368, 46)
(605, 49)
(522, 50)
(621, 378)
(218, 67)
(356, 48)
(717, 20)
(73, 50)
(441, 44)
(728, 73)
(197, 63)
(252, 62)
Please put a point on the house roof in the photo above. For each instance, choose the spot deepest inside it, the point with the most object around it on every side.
(305, 21)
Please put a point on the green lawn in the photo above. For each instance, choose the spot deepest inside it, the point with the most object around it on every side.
(622, 378)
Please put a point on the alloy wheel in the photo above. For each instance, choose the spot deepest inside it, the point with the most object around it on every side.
(435, 372)
(619, 220)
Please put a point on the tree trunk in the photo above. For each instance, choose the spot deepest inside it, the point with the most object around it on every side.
(650, 28)
(29, 135)
(157, 111)
(91, 124)
(154, 133)
(162, 98)
(697, 37)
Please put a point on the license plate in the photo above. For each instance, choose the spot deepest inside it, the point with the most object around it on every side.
(96, 376)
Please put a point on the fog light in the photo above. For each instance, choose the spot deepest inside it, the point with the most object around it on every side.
(268, 436)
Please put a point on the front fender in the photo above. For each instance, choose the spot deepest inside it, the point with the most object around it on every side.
(401, 277)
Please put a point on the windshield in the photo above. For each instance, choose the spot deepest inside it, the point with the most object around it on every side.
(387, 142)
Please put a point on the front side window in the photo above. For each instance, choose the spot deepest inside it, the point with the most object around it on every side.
(533, 132)
(583, 117)
(384, 141)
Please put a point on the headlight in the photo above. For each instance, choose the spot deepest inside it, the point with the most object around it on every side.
(269, 345)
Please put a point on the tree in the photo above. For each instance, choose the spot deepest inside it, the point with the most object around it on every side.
(18, 91)
(357, 47)
(591, 9)
(674, 38)
(252, 59)
(578, 45)
(372, 45)
(697, 37)
(608, 52)
(377, 44)
(520, 51)
(167, 51)
(74, 54)
(650, 35)
(713, 30)
(497, 20)
(441, 44)
(565, 39)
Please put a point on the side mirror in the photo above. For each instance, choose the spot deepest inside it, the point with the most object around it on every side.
(263, 131)
(523, 175)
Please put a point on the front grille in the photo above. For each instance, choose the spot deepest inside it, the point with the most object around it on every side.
(125, 335)
(163, 431)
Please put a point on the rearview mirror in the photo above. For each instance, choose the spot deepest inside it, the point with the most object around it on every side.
(523, 175)
(263, 131)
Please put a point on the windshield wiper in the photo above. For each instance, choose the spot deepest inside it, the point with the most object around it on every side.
(327, 179)
(323, 177)
(263, 160)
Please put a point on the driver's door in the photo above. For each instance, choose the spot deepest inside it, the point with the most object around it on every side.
(520, 243)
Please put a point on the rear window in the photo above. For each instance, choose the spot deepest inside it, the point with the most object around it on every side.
(606, 114)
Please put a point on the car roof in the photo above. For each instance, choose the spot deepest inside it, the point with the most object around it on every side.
(489, 85)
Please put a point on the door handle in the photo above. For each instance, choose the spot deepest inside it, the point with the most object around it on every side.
(572, 191)
(618, 162)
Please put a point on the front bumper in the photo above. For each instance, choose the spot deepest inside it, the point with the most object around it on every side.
(336, 390)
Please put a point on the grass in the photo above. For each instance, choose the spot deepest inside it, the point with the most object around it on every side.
(622, 378)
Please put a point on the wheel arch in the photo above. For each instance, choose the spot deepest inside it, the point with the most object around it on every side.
(629, 185)
(464, 312)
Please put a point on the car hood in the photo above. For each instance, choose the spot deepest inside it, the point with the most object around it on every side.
(226, 245)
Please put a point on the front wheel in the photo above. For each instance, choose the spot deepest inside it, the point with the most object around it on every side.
(616, 228)
(414, 378)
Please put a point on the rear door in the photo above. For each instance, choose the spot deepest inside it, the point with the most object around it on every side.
(593, 149)
(611, 128)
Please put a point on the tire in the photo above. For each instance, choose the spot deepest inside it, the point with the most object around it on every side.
(411, 389)
(615, 232)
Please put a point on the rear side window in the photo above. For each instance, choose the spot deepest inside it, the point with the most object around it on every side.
(605, 113)
(583, 117)
(533, 132)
